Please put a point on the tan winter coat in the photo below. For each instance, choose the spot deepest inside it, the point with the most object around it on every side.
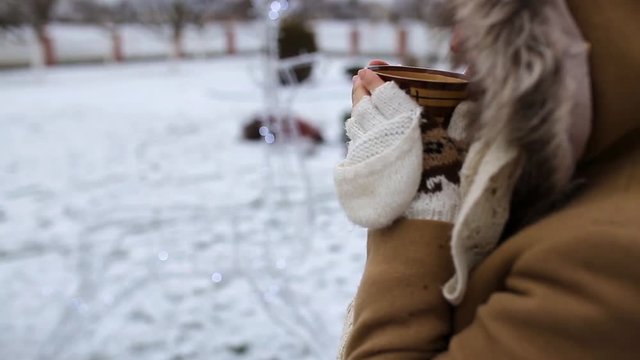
(565, 287)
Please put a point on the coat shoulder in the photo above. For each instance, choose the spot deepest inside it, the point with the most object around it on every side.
(590, 245)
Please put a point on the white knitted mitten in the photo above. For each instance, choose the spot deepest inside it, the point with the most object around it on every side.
(381, 173)
(386, 166)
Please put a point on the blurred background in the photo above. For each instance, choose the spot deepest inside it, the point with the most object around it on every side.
(166, 184)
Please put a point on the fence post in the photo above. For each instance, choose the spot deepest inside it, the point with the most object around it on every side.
(47, 45)
(116, 41)
(354, 40)
(231, 37)
(402, 42)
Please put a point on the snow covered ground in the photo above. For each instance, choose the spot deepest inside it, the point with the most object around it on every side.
(136, 224)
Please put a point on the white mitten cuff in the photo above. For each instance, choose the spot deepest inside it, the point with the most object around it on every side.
(377, 191)
(391, 100)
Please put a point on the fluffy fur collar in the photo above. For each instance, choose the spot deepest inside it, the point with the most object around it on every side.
(529, 65)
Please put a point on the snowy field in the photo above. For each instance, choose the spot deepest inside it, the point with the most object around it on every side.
(136, 224)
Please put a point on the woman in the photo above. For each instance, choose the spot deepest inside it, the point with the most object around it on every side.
(534, 253)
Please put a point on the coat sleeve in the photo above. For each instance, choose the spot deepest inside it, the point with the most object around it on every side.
(399, 311)
(572, 298)
(568, 299)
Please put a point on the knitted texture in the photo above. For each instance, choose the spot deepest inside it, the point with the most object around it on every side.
(381, 173)
(378, 122)
(379, 139)
(398, 164)
(438, 196)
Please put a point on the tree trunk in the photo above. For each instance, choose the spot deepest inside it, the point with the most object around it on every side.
(178, 50)
(46, 44)
(354, 41)
(116, 41)
(402, 42)
(231, 38)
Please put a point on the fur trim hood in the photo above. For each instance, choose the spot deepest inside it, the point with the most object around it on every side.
(537, 119)
(529, 64)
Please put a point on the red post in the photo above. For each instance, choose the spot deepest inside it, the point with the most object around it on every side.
(116, 40)
(354, 41)
(178, 50)
(402, 42)
(46, 44)
(231, 38)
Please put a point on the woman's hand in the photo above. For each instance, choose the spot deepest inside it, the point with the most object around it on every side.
(381, 173)
(399, 163)
(366, 82)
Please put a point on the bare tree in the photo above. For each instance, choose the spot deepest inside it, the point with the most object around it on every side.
(36, 13)
(11, 19)
(178, 17)
(101, 12)
(39, 14)
(109, 15)
(171, 17)
(436, 13)
(10, 14)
